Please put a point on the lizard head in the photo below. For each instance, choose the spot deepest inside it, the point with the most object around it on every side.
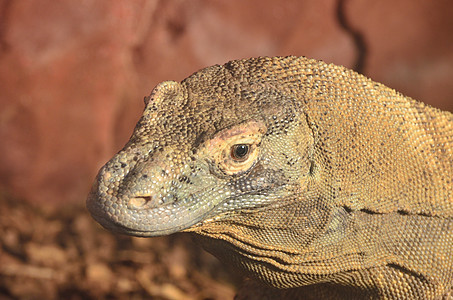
(203, 150)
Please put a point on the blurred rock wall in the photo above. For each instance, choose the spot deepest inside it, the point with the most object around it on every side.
(73, 73)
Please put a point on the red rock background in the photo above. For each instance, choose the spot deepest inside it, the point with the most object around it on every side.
(73, 75)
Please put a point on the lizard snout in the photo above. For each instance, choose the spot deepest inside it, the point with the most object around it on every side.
(141, 202)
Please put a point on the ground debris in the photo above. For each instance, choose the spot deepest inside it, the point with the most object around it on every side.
(61, 253)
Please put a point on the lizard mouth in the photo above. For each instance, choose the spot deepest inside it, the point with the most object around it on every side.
(145, 215)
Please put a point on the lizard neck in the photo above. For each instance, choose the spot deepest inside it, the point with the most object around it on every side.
(352, 243)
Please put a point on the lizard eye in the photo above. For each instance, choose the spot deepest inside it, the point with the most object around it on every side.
(240, 152)
(235, 150)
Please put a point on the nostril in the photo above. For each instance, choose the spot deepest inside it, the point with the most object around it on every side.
(139, 202)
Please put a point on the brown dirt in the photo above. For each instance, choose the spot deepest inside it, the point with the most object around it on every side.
(49, 253)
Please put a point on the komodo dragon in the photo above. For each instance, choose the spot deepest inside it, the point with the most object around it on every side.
(299, 173)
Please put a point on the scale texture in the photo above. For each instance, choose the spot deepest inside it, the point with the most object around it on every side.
(306, 176)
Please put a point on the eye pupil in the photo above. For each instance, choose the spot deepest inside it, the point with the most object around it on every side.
(240, 152)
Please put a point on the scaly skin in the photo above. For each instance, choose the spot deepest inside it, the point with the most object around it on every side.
(303, 175)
